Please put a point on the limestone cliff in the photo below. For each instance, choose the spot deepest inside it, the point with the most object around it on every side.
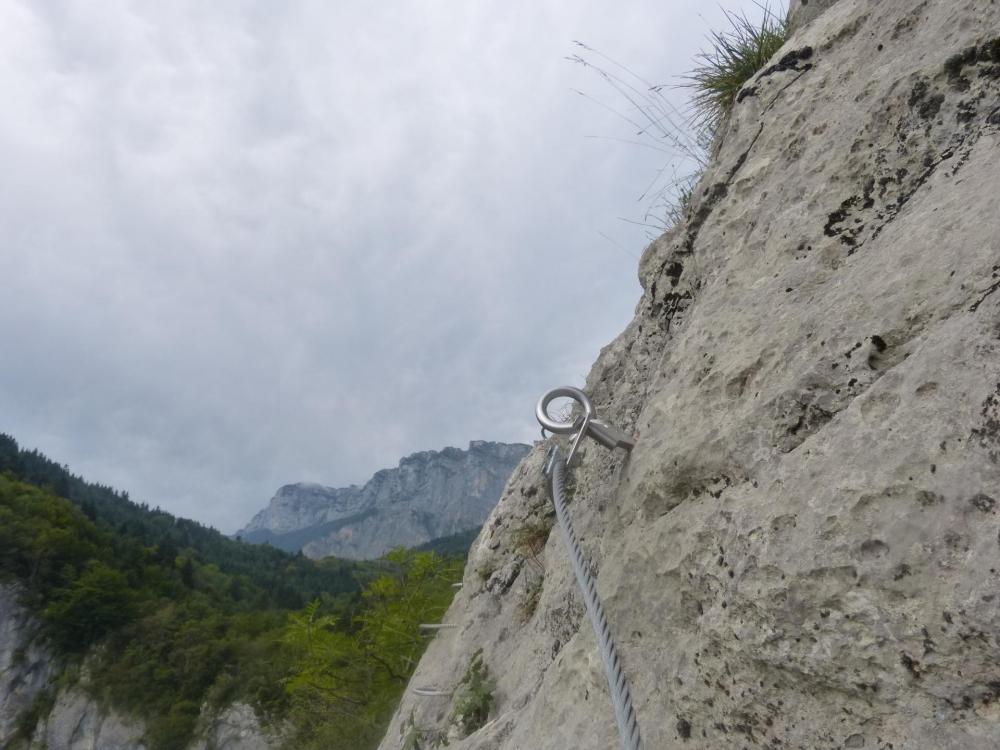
(802, 549)
(25, 665)
(66, 717)
(430, 494)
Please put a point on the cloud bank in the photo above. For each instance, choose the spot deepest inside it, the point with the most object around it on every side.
(247, 244)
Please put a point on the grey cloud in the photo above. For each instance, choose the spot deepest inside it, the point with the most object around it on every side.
(247, 244)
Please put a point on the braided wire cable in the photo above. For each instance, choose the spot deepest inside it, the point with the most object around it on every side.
(621, 697)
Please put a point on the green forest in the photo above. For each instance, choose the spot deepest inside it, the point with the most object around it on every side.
(159, 616)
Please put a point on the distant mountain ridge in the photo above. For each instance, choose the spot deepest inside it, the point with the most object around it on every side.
(430, 494)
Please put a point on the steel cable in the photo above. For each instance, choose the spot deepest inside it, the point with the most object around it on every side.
(621, 697)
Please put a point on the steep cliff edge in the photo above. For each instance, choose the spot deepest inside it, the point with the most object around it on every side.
(802, 549)
(66, 717)
(25, 665)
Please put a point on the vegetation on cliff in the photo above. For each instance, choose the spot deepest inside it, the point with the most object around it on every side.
(346, 684)
(167, 617)
(734, 57)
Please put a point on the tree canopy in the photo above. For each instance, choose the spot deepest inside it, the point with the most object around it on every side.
(185, 616)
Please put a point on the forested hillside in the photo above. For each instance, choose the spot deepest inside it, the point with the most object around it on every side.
(169, 616)
(284, 580)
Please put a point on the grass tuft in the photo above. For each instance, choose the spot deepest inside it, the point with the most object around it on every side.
(735, 57)
(686, 138)
(656, 124)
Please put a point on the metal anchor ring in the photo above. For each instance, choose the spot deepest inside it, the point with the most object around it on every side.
(563, 428)
(587, 424)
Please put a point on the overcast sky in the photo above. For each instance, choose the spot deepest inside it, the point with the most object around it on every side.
(252, 243)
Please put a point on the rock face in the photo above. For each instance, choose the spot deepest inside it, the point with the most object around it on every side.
(73, 720)
(77, 722)
(237, 728)
(429, 495)
(25, 666)
(802, 549)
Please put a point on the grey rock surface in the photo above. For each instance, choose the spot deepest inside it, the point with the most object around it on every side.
(302, 505)
(802, 549)
(801, 12)
(430, 494)
(25, 666)
(77, 722)
(236, 728)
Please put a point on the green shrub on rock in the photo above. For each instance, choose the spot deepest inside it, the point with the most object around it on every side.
(474, 697)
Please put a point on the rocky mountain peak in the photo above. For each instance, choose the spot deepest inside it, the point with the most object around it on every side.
(431, 494)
